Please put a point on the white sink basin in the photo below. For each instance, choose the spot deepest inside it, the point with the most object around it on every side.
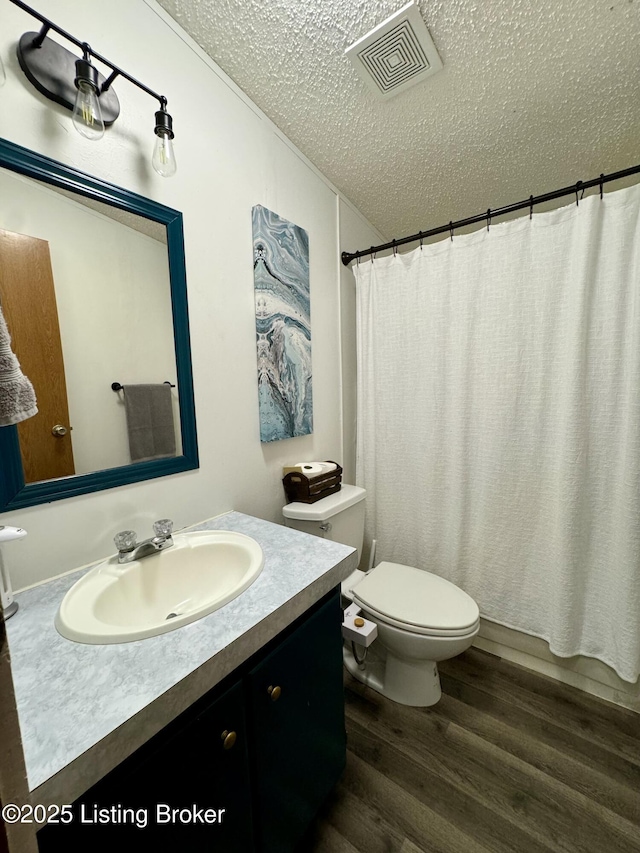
(201, 572)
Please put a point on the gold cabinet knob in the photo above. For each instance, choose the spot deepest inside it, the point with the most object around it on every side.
(228, 739)
(59, 430)
(274, 692)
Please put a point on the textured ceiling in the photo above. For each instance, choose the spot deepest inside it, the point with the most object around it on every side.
(534, 94)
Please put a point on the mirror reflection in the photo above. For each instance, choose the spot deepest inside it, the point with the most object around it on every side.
(85, 291)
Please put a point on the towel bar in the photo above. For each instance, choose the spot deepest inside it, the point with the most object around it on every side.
(116, 386)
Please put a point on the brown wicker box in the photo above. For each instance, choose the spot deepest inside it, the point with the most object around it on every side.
(308, 490)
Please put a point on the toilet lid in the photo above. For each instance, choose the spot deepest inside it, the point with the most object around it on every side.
(416, 597)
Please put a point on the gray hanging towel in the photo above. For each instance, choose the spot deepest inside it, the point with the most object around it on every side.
(149, 422)
(17, 397)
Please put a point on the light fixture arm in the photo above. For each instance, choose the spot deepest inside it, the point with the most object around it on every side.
(107, 83)
(88, 52)
(37, 42)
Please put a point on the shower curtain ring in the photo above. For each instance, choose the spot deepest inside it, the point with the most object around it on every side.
(420, 235)
(601, 184)
(372, 252)
(578, 185)
(451, 229)
(530, 207)
(395, 247)
(488, 218)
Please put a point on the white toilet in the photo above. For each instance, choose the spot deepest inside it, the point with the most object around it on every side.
(421, 617)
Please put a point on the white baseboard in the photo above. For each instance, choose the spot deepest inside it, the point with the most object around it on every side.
(586, 674)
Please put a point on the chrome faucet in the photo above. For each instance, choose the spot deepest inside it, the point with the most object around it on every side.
(129, 549)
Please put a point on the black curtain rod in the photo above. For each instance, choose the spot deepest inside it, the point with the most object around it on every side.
(581, 186)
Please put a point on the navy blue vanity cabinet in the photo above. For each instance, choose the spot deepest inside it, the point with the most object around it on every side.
(297, 730)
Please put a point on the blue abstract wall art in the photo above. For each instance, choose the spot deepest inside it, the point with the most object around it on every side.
(283, 326)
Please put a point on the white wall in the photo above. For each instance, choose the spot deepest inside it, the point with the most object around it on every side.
(114, 308)
(230, 157)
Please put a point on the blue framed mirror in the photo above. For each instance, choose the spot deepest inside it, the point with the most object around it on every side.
(93, 289)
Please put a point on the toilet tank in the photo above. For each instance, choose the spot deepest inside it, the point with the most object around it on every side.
(340, 517)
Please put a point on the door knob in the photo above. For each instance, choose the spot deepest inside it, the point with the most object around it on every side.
(59, 430)
(274, 692)
(228, 739)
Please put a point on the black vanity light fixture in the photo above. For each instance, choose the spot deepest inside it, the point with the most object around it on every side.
(76, 84)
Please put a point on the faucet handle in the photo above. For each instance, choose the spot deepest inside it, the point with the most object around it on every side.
(163, 527)
(125, 540)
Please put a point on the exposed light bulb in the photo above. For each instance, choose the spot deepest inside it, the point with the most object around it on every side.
(164, 158)
(87, 115)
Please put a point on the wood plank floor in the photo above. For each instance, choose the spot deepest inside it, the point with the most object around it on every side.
(507, 762)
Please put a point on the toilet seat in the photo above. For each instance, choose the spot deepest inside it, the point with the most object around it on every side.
(417, 629)
(417, 601)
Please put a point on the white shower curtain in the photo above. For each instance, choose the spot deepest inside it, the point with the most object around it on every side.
(499, 420)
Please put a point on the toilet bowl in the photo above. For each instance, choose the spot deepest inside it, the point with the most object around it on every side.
(421, 618)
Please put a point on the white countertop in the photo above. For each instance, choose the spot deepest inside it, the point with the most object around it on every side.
(84, 708)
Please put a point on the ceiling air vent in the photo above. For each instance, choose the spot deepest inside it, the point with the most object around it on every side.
(397, 54)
